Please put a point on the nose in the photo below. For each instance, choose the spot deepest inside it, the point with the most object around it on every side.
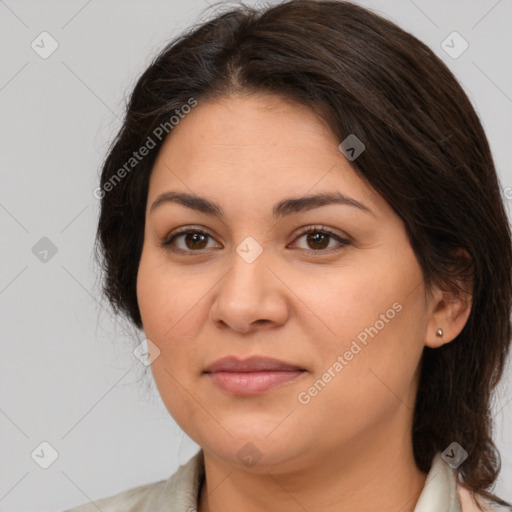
(250, 297)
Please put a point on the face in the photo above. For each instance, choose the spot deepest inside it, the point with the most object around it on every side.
(251, 269)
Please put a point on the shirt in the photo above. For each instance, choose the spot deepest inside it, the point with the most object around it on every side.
(180, 492)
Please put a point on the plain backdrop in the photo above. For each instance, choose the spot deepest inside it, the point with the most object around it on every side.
(68, 376)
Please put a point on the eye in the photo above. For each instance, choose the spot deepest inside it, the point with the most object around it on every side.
(319, 238)
(188, 240)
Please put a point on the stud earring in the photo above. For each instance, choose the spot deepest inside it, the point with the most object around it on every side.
(439, 332)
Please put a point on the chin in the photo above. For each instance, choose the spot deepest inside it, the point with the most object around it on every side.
(254, 451)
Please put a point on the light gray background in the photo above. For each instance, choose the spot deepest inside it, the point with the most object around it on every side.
(68, 375)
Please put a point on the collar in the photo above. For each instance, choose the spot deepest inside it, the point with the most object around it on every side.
(440, 490)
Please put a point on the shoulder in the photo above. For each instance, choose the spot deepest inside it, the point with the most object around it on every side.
(180, 489)
(131, 500)
(469, 500)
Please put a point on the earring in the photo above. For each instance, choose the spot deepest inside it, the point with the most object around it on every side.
(439, 332)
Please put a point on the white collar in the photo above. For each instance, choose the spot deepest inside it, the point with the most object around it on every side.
(440, 491)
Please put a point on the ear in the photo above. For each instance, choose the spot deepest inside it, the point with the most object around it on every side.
(450, 308)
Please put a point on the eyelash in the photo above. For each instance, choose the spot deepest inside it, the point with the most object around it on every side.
(168, 242)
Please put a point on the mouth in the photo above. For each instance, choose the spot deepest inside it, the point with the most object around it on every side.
(251, 376)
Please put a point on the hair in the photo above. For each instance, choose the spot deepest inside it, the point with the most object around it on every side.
(426, 154)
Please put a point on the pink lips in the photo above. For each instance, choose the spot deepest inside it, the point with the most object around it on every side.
(251, 376)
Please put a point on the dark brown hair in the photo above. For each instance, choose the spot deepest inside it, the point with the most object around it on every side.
(426, 154)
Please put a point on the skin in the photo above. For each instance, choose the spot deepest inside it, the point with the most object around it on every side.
(349, 448)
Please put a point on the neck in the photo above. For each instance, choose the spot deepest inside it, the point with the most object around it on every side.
(367, 475)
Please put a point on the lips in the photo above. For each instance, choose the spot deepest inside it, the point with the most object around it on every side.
(251, 376)
(252, 364)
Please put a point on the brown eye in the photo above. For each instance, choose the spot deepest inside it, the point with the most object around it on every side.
(321, 239)
(190, 240)
(195, 240)
(318, 240)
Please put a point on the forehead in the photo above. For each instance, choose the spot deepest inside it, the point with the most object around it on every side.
(260, 146)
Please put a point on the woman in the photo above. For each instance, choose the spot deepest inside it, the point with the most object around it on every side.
(302, 214)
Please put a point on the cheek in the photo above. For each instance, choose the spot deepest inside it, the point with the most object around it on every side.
(167, 299)
(173, 304)
(167, 310)
(376, 319)
(362, 384)
(351, 298)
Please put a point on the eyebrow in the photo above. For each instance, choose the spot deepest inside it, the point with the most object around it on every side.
(284, 208)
